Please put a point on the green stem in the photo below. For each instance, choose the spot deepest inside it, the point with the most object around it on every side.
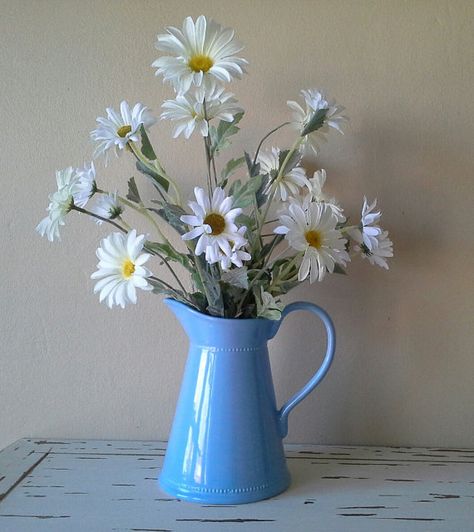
(89, 213)
(274, 185)
(164, 283)
(272, 247)
(140, 157)
(165, 262)
(156, 226)
(127, 227)
(172, 289)
(144, 211)
(201, 275)
(208, 163)
(288, 267)
(265, 138)
(208, 146)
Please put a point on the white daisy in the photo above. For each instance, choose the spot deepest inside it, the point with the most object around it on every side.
(120, 268)
(214, 223)
(200, 52)
(378, 254)
(108, 206)
(61, 203)
(237, 256)
(315, 101)
(188, 109)
(67, 178)
(118, 129)
(86, 185)
(368, 231)
(316, 194)
(313, 232)
(289, 184)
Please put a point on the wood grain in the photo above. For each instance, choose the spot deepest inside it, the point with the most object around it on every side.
(80, 485)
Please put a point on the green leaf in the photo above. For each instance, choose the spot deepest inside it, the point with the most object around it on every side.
(291, 163)
(211, 288)
(157, 179)
(236, 277)
(254, 169)
(170, 253)
(231, 167)
(248, 221)
(244, 195)
(231, 295)
(160, 288)
(132, 193)
(282, 282)
(199, 300)
(171, 214)
(220, 136)
(196, 279)
(316, 121)
(271, 245)
(284, 287)
(235, 187)
(260, 195)
(267, 306)
(147, 148)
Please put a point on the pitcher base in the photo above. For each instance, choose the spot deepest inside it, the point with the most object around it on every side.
(224, 495)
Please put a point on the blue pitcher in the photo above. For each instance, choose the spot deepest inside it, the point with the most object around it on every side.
(226, 444)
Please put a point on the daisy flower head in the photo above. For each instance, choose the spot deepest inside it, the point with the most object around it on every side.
(118, 129)
(201, 53)
(291, 182)
(305, 120)
(120, 269)
(86, 185)
(213, 223)
(195, 109)
(367, 232)
(107, 206)
(313, 233)
(237, 256)
(316, 194)
(380, 252)
(60, 204)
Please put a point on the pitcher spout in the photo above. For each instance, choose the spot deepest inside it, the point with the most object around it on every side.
(183, 312)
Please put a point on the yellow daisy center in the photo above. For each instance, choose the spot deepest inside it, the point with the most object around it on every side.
(217, 223)
(128, 268)
(314, 238)
(200, 63)
(123, 131)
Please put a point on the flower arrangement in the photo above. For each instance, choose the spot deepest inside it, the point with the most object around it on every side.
(245, 242)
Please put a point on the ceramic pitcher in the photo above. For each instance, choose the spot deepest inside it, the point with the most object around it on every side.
(226, 445)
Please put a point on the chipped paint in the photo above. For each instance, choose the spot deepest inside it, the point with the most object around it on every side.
(55, 485)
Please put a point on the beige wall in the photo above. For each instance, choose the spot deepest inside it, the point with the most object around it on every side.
(404, 372)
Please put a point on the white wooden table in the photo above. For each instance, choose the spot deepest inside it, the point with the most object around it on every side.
(101, 486)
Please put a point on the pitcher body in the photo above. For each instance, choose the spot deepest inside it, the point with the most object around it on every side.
(225, 445)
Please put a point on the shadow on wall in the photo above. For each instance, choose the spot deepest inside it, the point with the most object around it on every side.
(395, 334)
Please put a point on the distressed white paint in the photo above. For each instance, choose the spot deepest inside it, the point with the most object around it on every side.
(111, 486)
(404, 367)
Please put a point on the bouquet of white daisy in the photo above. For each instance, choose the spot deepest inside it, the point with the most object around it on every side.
(245, 241)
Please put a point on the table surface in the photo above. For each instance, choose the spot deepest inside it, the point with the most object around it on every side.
(88, 486)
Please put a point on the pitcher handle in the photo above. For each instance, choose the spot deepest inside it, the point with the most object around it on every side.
(323, 369)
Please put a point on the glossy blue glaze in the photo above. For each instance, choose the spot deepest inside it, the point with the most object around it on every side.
(226, 445)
